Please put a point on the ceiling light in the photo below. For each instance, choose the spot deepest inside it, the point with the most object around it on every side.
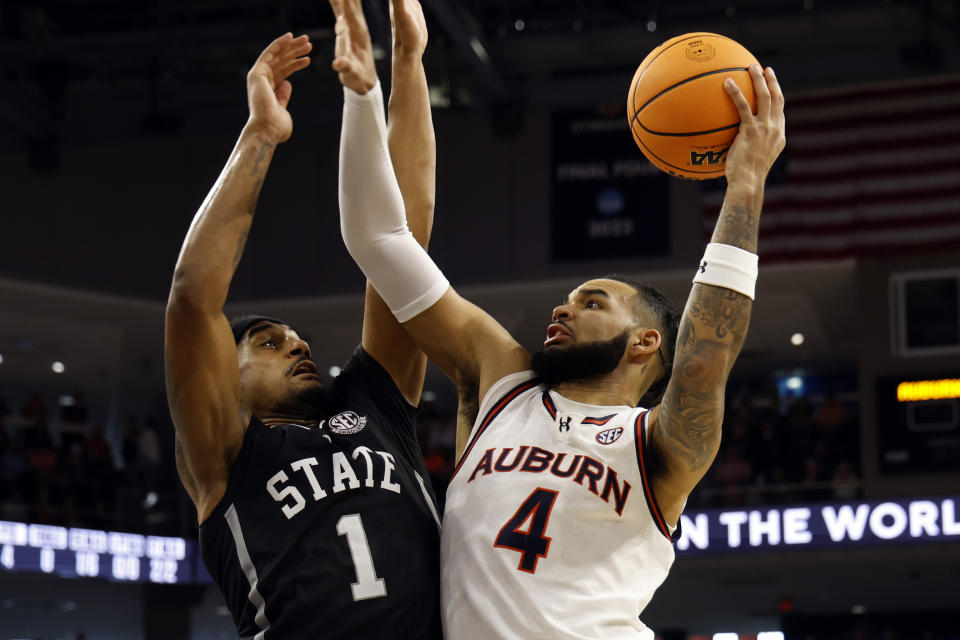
(796, 339)
(67, 401)
(726, 636)
(652, 25)
(858, 609)
(770, 635)
(58, 367)
(1, 358)
(794, 383)
(519, 25)
(334, 371)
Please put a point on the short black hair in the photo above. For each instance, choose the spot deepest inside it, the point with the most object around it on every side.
(239, 325)
(651, 300)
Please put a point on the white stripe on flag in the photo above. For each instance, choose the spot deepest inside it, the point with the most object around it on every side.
(871, 106)
(823, 218)
(853, 136)
(892, 237)
(895, 158)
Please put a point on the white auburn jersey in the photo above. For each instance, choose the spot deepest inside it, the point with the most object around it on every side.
(550, 528)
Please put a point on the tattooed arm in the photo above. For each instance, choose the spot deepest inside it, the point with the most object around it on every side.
(685, 428)
(201, 357)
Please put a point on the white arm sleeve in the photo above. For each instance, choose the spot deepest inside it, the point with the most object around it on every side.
(372, 219)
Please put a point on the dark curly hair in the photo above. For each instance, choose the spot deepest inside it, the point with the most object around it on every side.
(651, 301)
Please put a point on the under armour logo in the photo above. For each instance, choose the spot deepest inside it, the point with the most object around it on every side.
(703, 267)
(565, 424)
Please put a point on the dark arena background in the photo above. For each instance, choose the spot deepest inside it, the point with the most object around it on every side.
(833, 508)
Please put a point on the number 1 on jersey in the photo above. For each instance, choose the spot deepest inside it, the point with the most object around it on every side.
(531, 543)
(368, 585)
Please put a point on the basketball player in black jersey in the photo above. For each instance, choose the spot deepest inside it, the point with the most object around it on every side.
(315, 520)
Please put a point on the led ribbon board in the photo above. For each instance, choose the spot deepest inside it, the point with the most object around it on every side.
(835, 525)
(90, 553)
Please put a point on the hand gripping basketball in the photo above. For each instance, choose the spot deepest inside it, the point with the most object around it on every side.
(761, 137)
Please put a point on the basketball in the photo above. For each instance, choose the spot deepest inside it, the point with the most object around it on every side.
(681, 117)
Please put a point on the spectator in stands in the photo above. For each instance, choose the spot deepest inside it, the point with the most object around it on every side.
(98, 456)
(148, 453)
(813, 483)
(831, 414)
(732, 473)
(74, 422)
(35, 411)
(846, 484)
(130, 453)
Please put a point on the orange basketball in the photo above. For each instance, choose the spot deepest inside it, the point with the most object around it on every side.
(680, 115)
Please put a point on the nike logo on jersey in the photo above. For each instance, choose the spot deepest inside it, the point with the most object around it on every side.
(584, 470)
(377, 468)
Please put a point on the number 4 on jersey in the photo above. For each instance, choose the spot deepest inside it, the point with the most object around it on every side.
(531, 543)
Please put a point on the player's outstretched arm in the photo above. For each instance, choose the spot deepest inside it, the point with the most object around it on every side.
(686, 426)
(201, 358)
(468, 344)
(412, 147)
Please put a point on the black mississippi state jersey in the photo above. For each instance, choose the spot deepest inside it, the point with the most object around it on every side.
(331, 532)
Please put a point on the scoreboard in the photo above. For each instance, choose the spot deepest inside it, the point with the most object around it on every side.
(918, 423)
(72, 552)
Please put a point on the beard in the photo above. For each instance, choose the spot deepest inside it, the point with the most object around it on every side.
(554, 365)
(307, 404)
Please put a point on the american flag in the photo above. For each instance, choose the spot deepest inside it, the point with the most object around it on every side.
(868, 171)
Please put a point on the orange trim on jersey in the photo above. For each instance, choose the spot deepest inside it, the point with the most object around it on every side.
(493, 413)
(548, 403)
(640, 441)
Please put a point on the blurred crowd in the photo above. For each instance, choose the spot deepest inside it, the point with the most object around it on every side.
(776, 449)
(60, 466)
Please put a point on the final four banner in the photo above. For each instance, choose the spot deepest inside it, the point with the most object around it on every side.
(821, 526)
(607, 201)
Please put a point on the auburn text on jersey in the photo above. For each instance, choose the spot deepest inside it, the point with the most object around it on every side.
(591, 474)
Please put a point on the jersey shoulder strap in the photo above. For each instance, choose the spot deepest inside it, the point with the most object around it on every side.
(498, 397)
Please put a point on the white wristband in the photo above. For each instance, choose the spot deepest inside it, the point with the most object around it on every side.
(729, 267)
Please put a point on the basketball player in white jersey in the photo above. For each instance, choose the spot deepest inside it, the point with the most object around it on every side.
(560, 517)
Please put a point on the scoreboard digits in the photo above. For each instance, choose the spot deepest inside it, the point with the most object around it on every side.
(75, 552)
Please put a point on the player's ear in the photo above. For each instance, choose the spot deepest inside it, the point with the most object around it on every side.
(643, 342)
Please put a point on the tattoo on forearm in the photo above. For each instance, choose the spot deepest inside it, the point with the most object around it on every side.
(711, 334)
(738, 226)
(241, 244)
(261, 156)
(723, 312)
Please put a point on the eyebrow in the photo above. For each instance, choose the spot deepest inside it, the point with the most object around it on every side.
(587, 293)
(259, 328)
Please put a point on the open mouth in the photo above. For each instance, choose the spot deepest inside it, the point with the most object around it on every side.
(556, 333)
(305, 368)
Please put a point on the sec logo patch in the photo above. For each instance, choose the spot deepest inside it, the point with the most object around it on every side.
(347, 422)
(610, 435)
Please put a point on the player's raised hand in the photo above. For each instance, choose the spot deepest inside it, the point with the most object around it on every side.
(761, 137)
(353, 50)
(268, 90)
(409, 28)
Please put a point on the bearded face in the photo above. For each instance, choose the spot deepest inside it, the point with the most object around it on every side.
(579, 361)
